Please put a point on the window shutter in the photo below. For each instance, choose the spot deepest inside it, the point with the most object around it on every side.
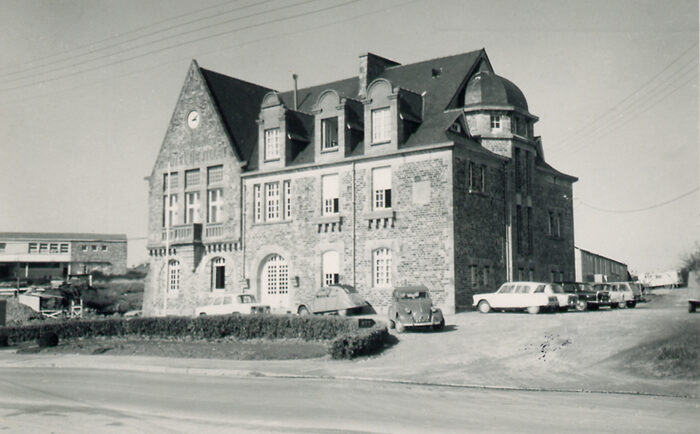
(387, 198)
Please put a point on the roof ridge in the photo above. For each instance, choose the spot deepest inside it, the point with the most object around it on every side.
(238, 79)
(435, 58)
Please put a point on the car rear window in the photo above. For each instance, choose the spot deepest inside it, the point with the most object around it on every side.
(413, 295)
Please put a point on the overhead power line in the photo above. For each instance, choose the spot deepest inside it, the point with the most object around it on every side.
(305, 29)
(110, 55)
(646, 208)
(111, 38)
(604, 115)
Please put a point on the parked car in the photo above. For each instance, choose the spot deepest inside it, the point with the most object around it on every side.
(233, 304)
(636, 288)
(620, 294)
(588, 296)
(411, 306)
(531, 296)
(335, 299)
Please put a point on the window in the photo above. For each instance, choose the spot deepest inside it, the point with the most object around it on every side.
(215, 174)
(170, 210)
(329, 134)
(272, 144)
(174, 275)
(477, 178)
(218, 273)
(486, 275)
(257, 197)
(381, 125)
(495, 122)
(331, 268)
(474, 275)
(381, 187)
(104, 248)
(192, 178)
(519, 228)
(64, 248)
(94, 247)
(272, 204)
(192, 204)
(550, 225)
(43, 248)
(553, 276)
(557, 227)
(215, 205)
(514, 125)
(531, 274)
(3, 246)
(530, 235)
(521, 273)
(33, 248)
(272, 201)
(330, 194)
(276, 276)
(53, 248)
(173, 178)
(287, 199)
(84, 248)
(382, 267)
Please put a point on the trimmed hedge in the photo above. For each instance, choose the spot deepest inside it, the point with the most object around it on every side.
(347, 339)
(362, 342)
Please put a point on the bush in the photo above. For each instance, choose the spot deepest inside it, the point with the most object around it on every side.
(361, 343)
(3, 340)
(48, 339)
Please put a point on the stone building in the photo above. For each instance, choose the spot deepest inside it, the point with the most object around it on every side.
(36, 255)
(427, 173)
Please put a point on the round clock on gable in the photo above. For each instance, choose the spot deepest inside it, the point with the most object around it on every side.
(193, 119)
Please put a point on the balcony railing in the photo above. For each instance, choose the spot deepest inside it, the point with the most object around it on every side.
(183, 234)
(214, 231)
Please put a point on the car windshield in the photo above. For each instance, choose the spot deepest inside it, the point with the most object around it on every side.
(348, 289)
(586, 287)
(505, 289)
(246, 299)
(557, 289)
(411, 295)
(540, 288)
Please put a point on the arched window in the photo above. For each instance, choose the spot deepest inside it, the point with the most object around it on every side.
(331, 268)
(174, 275)
(218, 273)
(381, 267)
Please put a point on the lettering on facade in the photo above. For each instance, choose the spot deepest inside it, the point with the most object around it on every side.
(193, 157)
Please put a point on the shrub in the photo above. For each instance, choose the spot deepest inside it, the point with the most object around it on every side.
(361, 343)
(47, 339)
(3, 340)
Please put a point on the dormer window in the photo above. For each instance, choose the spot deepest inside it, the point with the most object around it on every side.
(381, 125)
(272, 144)
(495, 122)
(329, 134)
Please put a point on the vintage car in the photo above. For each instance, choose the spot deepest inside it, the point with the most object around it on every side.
(636, 288)
(588, 297)
(620, 294)
(531, 296)
(335, 299)
(229, 304)
(411, 306)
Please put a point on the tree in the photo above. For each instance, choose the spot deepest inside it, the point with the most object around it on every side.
(690, 262)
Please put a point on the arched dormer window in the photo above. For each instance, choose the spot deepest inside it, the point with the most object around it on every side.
(328, 111)
(381, 117)
(272, 132)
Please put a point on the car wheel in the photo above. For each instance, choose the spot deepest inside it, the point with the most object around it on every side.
(632, 304)
(613, 305)
(534, 310)
(392, 324)
(484, 306)
(593, 307)
(581, 305)
(303, 311)
(440, 325)
(399, 325)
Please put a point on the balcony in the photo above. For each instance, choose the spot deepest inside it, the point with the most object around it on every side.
(215, 230)
(183, 234)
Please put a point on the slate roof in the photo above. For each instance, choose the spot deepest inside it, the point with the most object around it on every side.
(59, 236)
(239, 105)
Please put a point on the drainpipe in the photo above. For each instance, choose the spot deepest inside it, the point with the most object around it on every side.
(508, 225)
(354, 225)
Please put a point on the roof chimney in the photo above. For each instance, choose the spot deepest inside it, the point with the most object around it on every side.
(371, 66)
(296, 107)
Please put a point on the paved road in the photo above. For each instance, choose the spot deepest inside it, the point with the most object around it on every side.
(73, 400)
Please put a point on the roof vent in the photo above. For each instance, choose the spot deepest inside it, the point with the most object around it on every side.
(436, 72)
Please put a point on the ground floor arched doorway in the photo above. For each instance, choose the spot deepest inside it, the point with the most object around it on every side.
(274, 283)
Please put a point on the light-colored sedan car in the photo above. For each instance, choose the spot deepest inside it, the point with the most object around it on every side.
(228, 304)
(336, 299)
(621, 295)
(531, 296)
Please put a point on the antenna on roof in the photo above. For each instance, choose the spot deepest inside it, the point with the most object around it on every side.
(294, 76)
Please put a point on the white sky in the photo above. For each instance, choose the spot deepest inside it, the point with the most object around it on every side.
(87, 89)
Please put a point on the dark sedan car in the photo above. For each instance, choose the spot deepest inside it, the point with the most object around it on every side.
(411, 306)
(588, 296)
(335, 299)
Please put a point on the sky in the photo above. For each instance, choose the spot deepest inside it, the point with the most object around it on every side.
(87, 88)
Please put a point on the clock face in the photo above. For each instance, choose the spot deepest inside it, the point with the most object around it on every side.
(193, 119)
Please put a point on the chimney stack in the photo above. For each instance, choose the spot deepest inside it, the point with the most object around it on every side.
(296, 106)
(371, 66)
